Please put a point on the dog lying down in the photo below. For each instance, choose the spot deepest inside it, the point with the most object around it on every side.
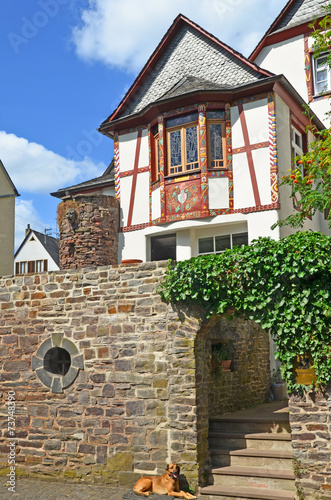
(168, 484)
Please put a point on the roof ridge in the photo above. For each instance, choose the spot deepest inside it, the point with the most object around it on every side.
(161, 47)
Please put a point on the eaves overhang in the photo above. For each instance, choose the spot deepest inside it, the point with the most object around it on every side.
(149, 114)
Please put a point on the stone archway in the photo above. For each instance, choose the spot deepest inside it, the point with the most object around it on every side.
(246, 385)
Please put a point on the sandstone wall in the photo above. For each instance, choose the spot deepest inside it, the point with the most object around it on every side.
(138, 392)
(311, 434)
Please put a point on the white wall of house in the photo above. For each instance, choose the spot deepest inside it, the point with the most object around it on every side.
(288, 58)
(136, 244)
(34, 250)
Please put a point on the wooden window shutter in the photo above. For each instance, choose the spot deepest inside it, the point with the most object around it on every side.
(31, 266)
(17, 268)
(45, 265)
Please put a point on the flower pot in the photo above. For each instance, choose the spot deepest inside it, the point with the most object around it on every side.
(131, 261)
(279, 391)
(226, 365)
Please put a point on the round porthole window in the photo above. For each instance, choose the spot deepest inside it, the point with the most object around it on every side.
(57, 362)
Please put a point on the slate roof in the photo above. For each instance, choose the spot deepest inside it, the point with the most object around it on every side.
(186, 50)
(50, 244)
(192, 84)
(103, 181)
(295, 13)
(302, 11)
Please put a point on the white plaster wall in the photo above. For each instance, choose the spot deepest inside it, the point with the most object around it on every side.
(135, 244)
(218, 192)
(156, 204)
(261, 160)
(144, 152)
(127, 151)
(184, 245)
(284, 164)
(126, 186)
(140, 213)
(259, 224)
(236, 132)
(243, 195)
(33, 250)
(256, 115)
(286, 58)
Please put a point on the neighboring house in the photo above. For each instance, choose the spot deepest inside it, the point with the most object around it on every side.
(287, 48)
(8, 193)
(37, 253)
(201, 140)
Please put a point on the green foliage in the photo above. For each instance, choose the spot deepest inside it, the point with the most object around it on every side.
(310, 176)
(283, 285)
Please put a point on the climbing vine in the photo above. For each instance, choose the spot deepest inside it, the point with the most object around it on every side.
(284, 285)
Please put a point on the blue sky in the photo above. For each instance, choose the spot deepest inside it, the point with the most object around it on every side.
(66, 66)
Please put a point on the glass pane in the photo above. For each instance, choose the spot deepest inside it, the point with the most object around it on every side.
(239, 239)
(222, 243)
(191, 145)
(216, 149)
(181, 120)
(206, 245)
(298, 140)
(322, 76)
(175, 148)
(321, 62)
(216, 115)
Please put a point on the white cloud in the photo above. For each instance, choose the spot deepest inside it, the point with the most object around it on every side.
(35, 169)
(124, 34)
(25, 213)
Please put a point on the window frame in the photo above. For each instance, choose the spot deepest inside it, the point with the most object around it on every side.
(327, 90)
(214, 236)
(216, 121)
(184, 163)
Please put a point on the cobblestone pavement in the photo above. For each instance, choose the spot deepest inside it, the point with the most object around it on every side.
(31, 489)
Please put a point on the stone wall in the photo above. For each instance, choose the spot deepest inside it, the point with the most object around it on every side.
(88, 231)
(311, 434)
(134, 397)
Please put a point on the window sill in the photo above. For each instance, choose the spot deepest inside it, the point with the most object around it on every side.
(182, 174)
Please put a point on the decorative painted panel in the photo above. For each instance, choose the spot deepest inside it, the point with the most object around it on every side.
(183, 197)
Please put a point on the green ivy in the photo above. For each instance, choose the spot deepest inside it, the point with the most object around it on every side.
(284, 285)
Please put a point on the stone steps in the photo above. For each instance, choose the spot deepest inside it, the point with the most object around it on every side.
(254, 477)
(252, 458)
(243, 493)
(251, 455)
(239, 440)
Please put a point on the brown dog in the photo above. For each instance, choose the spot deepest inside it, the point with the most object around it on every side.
(168, 484)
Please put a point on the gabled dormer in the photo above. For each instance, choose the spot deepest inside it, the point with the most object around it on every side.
(286, 48)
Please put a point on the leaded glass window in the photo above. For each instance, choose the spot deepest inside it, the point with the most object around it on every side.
(216, 145)
(192, 159)
(175, 152)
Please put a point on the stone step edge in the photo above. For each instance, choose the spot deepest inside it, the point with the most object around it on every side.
(251, 452)
(272, 436)
(243, 492)
(256, 420)
(253, 472)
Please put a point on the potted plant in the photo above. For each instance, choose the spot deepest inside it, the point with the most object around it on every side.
(278, 386)
(221, 357)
